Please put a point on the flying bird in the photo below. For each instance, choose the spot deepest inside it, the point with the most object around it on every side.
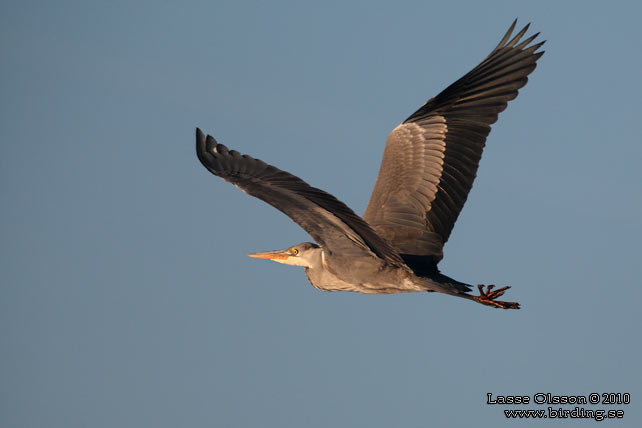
(429, 164)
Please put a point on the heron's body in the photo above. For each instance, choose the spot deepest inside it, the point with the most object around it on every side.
(335, 273)
(428, 168)
(371, 275)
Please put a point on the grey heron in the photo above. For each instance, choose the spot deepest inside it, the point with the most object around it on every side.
(429, 164)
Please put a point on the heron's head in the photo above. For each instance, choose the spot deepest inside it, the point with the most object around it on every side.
(305, 254)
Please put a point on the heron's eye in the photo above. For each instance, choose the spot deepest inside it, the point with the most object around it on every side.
(294, 252)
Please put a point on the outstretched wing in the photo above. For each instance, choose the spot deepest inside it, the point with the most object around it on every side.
(431, 159)
(329, 221)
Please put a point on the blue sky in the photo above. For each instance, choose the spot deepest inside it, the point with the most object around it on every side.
(127, 299)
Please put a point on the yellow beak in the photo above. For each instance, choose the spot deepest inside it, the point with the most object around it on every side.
(278, 255)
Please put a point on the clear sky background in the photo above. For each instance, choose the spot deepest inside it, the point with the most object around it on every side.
(127, 299)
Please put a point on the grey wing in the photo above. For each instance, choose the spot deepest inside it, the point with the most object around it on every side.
(329, 221)
(431, 159)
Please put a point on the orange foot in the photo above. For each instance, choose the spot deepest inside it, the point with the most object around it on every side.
(488, 297)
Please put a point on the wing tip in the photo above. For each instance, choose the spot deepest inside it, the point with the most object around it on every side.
(506, 41)
(207, 149)
(200, 144)
(507, 35)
